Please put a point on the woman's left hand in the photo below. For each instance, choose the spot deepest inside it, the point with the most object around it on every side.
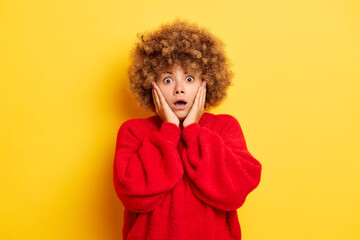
(198, 106)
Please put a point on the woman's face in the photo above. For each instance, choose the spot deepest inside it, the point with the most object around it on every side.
(177, 84)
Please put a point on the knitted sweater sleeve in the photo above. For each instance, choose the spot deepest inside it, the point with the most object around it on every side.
(146, 169)
(222, 172)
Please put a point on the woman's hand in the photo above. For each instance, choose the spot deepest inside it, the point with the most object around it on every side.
(162, 107)
(198, 106)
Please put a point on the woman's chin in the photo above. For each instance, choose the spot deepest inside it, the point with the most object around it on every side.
(181, 115)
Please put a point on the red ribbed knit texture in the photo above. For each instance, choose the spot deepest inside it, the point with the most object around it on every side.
(183, 184)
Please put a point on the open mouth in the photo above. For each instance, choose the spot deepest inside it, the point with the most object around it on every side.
(180, 104)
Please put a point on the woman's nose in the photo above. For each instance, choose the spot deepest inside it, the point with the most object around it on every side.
(179, 88)
(178, 91)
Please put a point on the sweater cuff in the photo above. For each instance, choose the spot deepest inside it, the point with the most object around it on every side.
(170, 131)
(191, 131)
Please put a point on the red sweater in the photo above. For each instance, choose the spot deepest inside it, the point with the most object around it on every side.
(183, 184)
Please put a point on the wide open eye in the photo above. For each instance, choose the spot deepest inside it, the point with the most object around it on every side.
(189, 79)
(167, 80)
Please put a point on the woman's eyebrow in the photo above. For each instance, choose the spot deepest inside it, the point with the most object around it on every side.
(171, 72)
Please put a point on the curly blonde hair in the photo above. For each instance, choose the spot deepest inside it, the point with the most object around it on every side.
(184, 43)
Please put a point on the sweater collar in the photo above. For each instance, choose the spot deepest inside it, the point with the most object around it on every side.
(202, 120)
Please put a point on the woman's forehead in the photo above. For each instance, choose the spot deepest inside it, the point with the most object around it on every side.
(176, 67)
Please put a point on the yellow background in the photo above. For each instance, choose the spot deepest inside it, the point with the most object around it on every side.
(64, 94)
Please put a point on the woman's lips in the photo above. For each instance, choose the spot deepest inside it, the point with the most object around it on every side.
(180, 104)
(179, 107)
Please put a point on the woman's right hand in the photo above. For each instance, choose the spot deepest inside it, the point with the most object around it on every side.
(162, 107)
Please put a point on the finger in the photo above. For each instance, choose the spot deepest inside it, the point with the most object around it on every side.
(156, 93)
(201, 97)
(204, 96)
(153, 95)
(201, 100)
(161, 96)
(156, 100)
(198, 96)
(157, 97)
